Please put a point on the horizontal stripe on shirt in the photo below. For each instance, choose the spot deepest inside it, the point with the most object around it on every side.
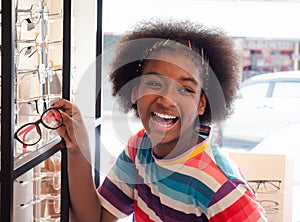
(200, 185)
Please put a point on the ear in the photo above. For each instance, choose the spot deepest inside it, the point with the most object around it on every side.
(202, 104)
(134, 95)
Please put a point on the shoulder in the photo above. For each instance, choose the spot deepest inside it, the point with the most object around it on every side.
(235, 196)
(227, 166)
(233, 193)
(134, 143)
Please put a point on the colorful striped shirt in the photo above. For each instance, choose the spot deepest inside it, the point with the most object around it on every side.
(200, 185)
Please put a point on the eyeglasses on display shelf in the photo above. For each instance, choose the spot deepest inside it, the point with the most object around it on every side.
(36, 11)
(34, 121)
(37, 72)
(32, 16)
(35, 30)
(36, 41)
(50, 205)
(35, 105)
(270, 206)
(31, 133)
(49, 188)
(46, 219)
(49, 178)
(28, 82)
(42, 201)
(265, 186)
(47, 205)
(29, 52)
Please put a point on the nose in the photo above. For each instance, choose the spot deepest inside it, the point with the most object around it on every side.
(167, 98)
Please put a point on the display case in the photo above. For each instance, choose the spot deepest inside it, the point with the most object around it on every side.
(35, 71)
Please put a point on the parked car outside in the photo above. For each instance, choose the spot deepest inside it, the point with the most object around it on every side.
(266, 103)
(286, 142)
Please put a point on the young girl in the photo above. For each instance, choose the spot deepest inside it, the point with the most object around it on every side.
(180, 78)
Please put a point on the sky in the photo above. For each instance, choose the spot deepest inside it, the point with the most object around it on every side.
(257, 19)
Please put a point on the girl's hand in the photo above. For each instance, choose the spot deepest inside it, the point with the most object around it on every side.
(73, 130)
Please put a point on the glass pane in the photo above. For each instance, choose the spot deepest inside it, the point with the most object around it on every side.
(287, 90)
(258, 90)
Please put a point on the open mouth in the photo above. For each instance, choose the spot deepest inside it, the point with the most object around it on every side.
(164, 120)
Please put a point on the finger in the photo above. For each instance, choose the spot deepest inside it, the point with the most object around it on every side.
(63, 133)
(68, 122)
(63, 104)
(66, 117)
(66, 106)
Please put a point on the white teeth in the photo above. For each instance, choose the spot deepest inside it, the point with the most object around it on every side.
(163, 125)
(165, 116)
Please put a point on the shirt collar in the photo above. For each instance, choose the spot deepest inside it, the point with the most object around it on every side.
(189, 154)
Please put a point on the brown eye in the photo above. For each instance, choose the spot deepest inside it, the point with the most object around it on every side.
(153, 85)
(185, 91)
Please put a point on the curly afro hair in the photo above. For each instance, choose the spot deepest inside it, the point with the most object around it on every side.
(224, 63)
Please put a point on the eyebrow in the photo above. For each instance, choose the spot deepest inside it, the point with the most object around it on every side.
(184, 79)
(188, 79)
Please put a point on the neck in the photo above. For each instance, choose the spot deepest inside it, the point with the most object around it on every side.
(176, 148)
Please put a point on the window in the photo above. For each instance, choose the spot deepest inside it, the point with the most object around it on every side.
(257, 90)
(286, 90)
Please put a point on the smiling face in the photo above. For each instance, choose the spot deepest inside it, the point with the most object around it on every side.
(169, 101)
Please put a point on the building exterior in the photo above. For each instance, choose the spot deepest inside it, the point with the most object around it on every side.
(268, 55)
(259, 55)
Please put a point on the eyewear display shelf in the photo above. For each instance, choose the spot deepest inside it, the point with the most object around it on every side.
(12, 168)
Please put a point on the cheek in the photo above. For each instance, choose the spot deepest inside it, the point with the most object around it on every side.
(190, 104)
(190, 109)
(202, 105)
(143, 102)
